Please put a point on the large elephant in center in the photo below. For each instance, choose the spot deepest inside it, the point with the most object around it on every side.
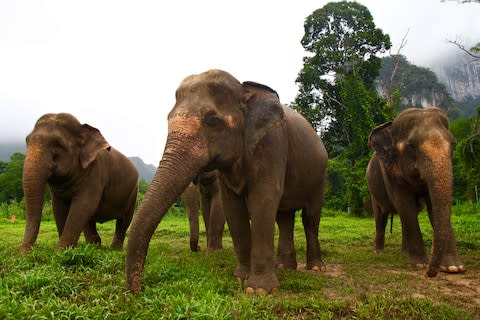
(412, 168)
(206, 192)
(270, 161)
(89, 181)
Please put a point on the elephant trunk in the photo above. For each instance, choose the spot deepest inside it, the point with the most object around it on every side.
(440, 192)
(35, 176)
(180, 163)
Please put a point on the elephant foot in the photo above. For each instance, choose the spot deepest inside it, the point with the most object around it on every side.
(261, 285)
(451, 264)
(241, 273)
(418, 262)
(24, 249)
(258, 292)
(286, 263)
(283, 266)
(379, 246)
(211, 249)
(194, 247)
(317, 266)
(116, 244)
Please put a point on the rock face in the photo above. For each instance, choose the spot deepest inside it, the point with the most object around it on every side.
(461, 77)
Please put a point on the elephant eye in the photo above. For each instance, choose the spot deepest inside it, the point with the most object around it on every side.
(211, 119)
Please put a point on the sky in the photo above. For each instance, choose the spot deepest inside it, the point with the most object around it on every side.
(116, 64)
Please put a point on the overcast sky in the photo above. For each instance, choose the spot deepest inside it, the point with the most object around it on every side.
(116, 64)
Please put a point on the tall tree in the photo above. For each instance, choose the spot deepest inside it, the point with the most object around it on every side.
(336, 87)
(339, 37)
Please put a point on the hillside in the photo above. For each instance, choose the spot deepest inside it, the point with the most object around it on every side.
(146, 171)
(419, 87)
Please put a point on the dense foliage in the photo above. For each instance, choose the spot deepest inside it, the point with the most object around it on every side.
(11, 178)
(468, 151)
(336, 90)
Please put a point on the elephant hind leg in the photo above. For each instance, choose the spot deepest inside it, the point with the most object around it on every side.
(286, 255)
(311, 221)
(381, 220)
(123, 223)
(91, 234)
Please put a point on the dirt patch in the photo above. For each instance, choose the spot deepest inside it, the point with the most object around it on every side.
(331, 270)
(461, 288)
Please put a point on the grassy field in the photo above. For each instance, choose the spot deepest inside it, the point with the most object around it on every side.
(88, 282)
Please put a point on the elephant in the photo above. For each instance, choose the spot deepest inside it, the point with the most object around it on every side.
(271, 162)
(89, 181)
(411, 168)
(206, 187)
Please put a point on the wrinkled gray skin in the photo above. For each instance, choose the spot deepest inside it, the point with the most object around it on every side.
(205, 190)
(89, 181)
(271, 162)
(411, 168)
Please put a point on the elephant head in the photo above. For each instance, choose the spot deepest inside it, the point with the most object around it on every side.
(213, 125)
(416, 150)
(59, 149)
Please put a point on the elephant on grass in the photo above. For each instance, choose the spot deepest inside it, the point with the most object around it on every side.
(270, 161)
(89, 181)
(412, 168)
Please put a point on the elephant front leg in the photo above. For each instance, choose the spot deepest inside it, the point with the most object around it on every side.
(262, 278)
(262, 209)
(236, 215)
(60, 208)
(412, 238)
(82, 209)
(381, 219)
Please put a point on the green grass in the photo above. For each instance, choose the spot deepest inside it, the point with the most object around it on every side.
(88, 282)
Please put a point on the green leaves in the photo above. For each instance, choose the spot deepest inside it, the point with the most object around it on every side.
(11, 178)
(337, 93)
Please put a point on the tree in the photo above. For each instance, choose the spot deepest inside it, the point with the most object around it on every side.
(336, 88)
(11, 178)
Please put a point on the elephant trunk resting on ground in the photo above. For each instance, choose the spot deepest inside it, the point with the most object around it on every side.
(271, 162)
(89, 181)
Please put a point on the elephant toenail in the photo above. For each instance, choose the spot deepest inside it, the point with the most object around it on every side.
(453, 269)
(250, 291)
(316, 268)
(274, 290)
(261, 292)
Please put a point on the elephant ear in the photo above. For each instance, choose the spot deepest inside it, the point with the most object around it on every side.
(264, 112)
(381, 141)
(91, 143)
